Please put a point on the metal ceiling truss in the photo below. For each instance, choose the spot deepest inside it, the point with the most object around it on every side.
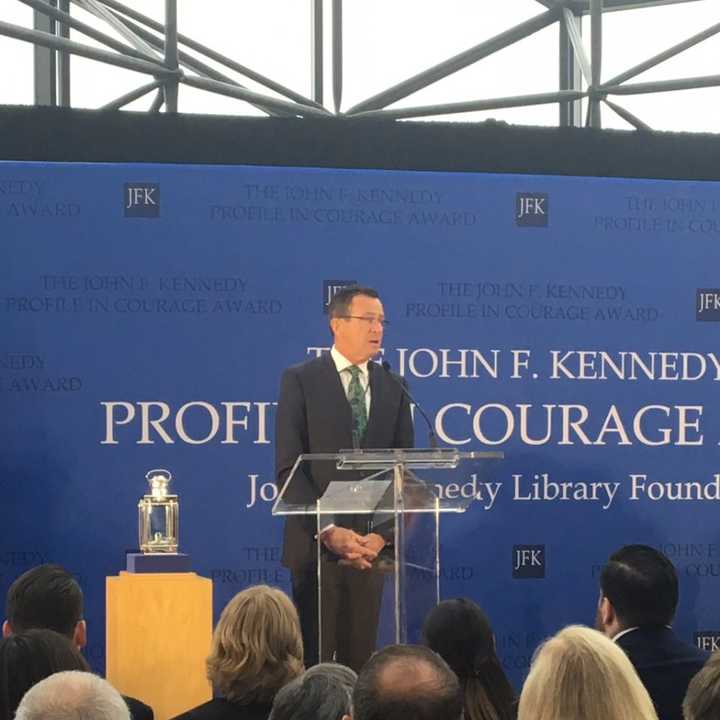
(154, 49)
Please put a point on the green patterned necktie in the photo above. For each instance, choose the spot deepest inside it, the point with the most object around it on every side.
(356, 397)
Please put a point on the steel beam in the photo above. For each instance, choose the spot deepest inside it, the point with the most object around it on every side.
(475, 105)
(337, 53)
(63, 59)
(618, 5)
(659, 86)
(570, 114)
(458, 62)
(52, 42)
(213, 55)
(66, 19)
(252, 97)
(664, 55)
(160, 57)
(594, 111)
(627, 115)
(96, 8)
(192, 63)
(44, 70)
(572, 28)
(171, 55)
(157, 103)
(317, 66)
(133, 95)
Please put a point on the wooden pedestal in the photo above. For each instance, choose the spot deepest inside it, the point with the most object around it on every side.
(159, 628)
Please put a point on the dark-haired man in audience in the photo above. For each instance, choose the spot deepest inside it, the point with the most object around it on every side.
(638, 599)
(407, 682)
(48, 596)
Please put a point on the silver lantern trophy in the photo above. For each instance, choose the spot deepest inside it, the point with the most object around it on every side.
(158, 515)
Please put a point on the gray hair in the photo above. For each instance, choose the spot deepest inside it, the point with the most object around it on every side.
(72, 695)
(324, 692)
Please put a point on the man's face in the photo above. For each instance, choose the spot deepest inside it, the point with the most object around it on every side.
(359, 337)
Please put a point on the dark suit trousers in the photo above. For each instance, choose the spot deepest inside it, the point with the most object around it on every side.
(350, 610)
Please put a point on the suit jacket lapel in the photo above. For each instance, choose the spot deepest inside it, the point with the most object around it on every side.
(376, 397)
(337, 398)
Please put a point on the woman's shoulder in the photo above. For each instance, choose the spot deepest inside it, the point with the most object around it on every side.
(221, 709)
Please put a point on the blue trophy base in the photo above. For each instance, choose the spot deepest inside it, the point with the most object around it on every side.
(158, 563)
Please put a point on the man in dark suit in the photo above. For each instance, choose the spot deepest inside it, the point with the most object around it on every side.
(334, 402)
(638, 599)
(48, 596)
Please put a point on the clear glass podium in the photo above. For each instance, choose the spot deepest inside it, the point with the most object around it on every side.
(399, 494)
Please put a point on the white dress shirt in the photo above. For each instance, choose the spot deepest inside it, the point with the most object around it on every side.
(615, 638)
(342, 364)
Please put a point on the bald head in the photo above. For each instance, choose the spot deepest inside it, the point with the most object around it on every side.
(405, 675)
(407, 682)
(72, 695)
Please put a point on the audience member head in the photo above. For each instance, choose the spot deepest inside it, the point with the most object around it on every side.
(256, 647)
(459, 631)
(71, 695)
(702, 701)
(638, 586)
(580, 674)
(324, 692)
(29, 657)
(407, 682)
(47, 596)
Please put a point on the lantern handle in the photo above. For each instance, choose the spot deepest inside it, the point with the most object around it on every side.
(150, 473)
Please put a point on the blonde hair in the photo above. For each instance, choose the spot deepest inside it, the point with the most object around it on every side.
(702, 701)
(579, 674)
(256, 647)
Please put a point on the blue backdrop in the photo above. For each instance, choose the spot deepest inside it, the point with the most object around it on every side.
(148, 311)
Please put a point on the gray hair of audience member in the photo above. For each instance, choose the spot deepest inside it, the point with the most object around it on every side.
(71, 695)
(324, 692)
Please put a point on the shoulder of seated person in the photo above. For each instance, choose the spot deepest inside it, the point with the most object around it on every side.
(138, 709)
(222, 708)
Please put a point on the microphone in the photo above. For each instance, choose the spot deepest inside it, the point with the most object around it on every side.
(431, 433)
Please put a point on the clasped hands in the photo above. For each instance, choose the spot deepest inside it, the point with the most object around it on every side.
(355, 550)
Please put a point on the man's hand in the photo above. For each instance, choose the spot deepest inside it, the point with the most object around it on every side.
(348, 544)
(373, 544)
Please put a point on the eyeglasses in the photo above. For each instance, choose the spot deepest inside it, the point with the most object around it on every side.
(370, 320)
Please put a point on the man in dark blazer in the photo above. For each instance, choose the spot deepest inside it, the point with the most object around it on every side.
(638, 599)
(338, 401)
(48, 596)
